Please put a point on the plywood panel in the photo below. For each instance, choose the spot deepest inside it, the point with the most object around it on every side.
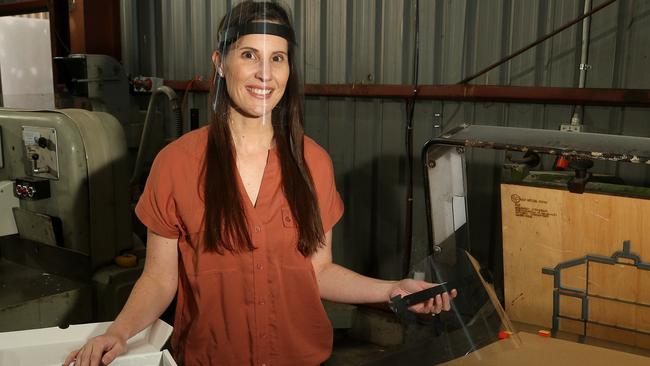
(542, 351)
(543, 227)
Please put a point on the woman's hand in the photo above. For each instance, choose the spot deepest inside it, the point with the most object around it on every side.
(432, 306)
(98, 351)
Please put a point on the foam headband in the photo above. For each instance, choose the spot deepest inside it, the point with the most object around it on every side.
(233, 33)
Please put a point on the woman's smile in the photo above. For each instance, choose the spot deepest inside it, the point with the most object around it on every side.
(260, 92)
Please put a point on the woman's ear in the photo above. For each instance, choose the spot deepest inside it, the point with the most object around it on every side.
(216, 60)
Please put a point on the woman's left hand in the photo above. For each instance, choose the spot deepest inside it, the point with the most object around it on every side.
(432, 306)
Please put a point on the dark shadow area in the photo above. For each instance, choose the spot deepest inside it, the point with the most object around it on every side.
(472, 323)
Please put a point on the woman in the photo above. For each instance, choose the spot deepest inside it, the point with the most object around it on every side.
(240, 216)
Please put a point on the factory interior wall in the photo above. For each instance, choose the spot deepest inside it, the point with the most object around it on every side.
(372, 42)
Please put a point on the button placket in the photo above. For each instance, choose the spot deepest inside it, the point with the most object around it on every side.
(261, 288)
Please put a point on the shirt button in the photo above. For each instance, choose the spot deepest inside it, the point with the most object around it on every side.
(261, 302)
(259, 266)
(257, 228)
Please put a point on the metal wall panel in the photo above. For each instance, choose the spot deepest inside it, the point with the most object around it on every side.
(453, 35)
(128, 26)
(201, 22)
(312, 37)
(362, 67)
(372, 41)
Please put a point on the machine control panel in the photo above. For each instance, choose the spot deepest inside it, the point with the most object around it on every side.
(28, 188)
(41, 148)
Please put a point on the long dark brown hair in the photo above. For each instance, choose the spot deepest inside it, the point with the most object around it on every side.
(226, 227)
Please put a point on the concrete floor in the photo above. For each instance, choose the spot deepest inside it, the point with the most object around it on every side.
(377, 338)
(351, 352)
(421, 349)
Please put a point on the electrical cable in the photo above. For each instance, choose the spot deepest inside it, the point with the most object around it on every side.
(189, 86)
(410, 109)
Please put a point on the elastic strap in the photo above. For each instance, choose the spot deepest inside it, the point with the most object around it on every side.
(280, 30)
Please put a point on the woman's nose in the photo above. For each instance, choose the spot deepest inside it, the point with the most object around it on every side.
(263, 71)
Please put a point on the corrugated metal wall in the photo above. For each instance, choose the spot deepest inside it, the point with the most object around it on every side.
(372, 41)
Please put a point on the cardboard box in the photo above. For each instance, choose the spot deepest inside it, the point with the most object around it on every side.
(546, 226)
(534, 350)
(50, 346)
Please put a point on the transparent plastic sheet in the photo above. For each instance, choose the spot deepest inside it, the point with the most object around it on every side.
(235, 28)
(476, 324)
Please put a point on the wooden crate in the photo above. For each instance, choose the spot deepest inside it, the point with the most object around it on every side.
(543, 227)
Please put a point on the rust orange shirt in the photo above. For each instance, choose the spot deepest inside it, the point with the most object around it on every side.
(257, 308)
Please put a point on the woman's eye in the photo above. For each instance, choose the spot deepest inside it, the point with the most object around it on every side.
(278, 58)
(248, 55)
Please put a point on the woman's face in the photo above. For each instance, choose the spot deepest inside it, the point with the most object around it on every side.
(256, 70)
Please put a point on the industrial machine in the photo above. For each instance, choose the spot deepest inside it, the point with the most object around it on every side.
(98, 83)
(561, 248)
(68, 178)
(550, 307)
(66, 215)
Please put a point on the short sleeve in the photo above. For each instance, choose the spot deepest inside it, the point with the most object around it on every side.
(156, 208)
(329, 200)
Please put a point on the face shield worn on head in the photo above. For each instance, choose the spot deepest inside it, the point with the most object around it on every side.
(230, 35)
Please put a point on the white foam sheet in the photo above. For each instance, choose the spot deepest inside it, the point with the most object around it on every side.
(26, 63)
(148, 359)
(162, 358)
(50, 346)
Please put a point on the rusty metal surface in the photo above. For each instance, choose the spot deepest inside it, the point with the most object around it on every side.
(47, 258)
(468, 93)
(32, 298)
(20, 283)
(583, 145)
(23, 7)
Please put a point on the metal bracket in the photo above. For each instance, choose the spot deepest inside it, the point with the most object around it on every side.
(584, 67)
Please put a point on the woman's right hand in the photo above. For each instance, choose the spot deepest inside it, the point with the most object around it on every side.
(98, 351)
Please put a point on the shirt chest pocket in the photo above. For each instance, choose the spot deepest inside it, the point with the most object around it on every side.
(291, 257)
(287, 218)
(289, 230)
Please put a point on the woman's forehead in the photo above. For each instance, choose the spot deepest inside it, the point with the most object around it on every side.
(263, 43)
